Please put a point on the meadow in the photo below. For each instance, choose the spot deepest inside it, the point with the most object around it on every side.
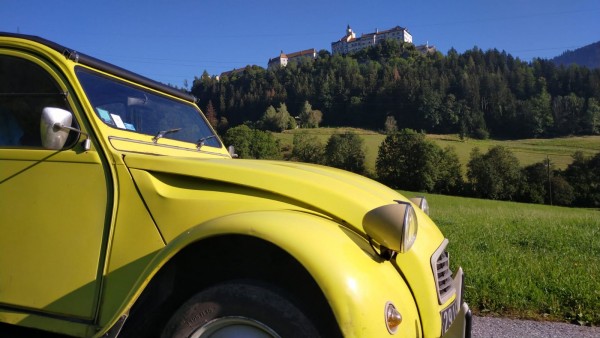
(524, 260)
(528, 151)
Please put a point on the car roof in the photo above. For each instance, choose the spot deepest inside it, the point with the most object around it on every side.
(103, 66)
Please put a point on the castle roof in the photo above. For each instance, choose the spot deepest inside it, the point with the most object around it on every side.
(305, 52)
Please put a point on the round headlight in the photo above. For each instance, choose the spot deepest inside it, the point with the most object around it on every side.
(393, 226)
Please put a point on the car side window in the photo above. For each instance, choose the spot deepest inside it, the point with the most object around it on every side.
(25, 89)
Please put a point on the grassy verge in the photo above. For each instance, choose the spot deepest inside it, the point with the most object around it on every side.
(524, 260)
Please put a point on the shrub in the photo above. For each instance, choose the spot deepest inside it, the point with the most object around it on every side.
(252, 143)
(481, 134)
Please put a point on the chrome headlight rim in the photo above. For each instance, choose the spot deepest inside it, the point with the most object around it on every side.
(410, 228)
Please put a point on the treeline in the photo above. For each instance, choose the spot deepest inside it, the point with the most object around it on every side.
(476, 93)
(407, 160)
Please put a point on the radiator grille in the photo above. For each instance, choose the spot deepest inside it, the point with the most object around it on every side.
(440, 264)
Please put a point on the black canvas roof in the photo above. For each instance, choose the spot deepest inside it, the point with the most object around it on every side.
(104, 66)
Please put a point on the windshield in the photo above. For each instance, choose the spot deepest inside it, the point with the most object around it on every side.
(126, 107)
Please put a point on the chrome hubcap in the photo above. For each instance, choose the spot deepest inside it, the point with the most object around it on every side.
(233, 327)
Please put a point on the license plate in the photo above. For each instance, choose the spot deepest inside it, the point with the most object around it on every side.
(448, 315)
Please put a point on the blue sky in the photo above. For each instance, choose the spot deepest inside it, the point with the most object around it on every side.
(173, 41)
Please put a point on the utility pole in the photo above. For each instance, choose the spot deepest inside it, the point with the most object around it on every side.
(549, 181)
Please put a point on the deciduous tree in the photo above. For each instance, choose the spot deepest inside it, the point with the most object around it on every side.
(407, 160)
(583, 174)
(307, 148)
(346, 151)
(495, 174)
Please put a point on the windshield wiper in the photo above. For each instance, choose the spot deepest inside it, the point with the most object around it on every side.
(201, 141)
(163, 133)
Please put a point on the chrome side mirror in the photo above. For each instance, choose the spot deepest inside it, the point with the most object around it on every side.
(232, 153)
(55, 126)
(54, 137)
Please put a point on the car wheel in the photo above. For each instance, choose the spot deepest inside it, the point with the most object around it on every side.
(238, 310)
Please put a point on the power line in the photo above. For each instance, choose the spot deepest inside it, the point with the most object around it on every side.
(507, 18)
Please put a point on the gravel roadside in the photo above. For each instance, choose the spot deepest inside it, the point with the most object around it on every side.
(483, 327)
(489, 327)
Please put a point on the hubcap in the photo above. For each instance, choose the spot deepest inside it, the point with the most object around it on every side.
(234, 327)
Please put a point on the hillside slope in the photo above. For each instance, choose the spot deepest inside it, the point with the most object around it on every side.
(588, 56)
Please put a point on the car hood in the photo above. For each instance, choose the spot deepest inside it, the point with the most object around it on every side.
(341, 195)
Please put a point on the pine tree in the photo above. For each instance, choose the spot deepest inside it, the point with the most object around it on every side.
(211, 114)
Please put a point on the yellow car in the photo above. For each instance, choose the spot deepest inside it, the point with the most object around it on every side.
(122, 214)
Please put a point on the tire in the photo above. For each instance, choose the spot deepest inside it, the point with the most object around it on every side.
(238, 310)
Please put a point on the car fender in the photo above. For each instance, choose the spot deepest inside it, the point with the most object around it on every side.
(356, 282)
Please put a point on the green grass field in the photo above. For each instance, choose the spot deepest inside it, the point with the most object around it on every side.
(524, 260)
(528, 151)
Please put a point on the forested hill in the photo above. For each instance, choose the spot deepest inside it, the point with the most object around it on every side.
(477, 93)
(587, 56)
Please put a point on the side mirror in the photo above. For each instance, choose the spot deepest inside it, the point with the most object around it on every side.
(53, 134)
(232, 153)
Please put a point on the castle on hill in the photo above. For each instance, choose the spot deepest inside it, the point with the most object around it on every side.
(349, 43)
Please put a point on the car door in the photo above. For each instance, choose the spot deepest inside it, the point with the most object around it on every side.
(53, 204)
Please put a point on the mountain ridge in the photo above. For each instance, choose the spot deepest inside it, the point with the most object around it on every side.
(587, 56)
